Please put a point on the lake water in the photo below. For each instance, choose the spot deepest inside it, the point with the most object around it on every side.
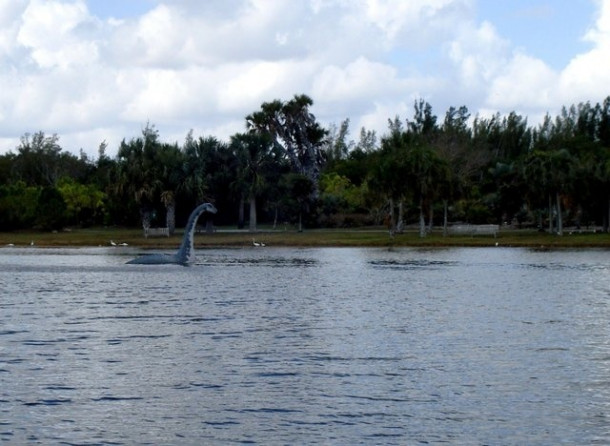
(305, 346)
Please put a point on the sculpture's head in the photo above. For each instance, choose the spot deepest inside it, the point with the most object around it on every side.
(209, 207)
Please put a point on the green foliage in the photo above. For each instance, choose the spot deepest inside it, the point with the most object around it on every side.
(297, 190)
(255, 156)
(342, 203)
(486, 169)
(41, 162)
(295, 131)
(84, 203)
(50, 210)
(475, 212)
(340, 189)
(18, 206)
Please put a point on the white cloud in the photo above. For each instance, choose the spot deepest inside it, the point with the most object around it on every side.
(206, 65)
(250, 82)
(479, 54)
(588, 74)
(502, 78)
(360, 78)
(49, 31)
(600, 33)
(366, 88)
(164, 94)
(416, 22)
(10, 11)
(377, 118)
(522, 80)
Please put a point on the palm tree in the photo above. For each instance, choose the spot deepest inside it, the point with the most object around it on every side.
(255, 154)
(195, 167)
(603, 175)
(169, 162)
(295, 131)
(425, 169)
(169, 201)
(388, 171)
(549, 173)
(136, 177)
(298, 193)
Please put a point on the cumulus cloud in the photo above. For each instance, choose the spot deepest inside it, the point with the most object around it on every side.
(187, 64)
(587, 72)
(418, 22)
(10, 11)
(523, 77)
(479, 54)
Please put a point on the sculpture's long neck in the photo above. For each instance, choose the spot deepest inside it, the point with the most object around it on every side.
(186, 252)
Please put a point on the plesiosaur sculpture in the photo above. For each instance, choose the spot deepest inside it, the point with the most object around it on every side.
(186, 253)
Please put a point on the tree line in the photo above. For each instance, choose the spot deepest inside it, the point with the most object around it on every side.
(286, 169)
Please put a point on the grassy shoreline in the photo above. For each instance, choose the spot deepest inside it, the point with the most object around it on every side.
(370, 237)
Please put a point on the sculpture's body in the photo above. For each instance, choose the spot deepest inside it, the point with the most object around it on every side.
(186, 253)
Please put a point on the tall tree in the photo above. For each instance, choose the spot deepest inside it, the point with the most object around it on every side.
(169, 160)
(424, 121)
(137, 180)
(368, 141)
(51, 209)
(41, 162)
(256, 156)
(18, 206)
(294, 129)
(298, 189)
(336, 147)
(425, 172)
(462, 159)
(388, 172)
(550, 173)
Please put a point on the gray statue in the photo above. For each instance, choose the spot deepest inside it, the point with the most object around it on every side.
(186, 253)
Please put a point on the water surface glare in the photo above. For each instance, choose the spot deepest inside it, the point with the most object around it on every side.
(305, 346)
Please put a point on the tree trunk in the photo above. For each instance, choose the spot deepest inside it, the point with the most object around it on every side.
(430, 217)
(145, 219)
(401, 217)
(559, 218)
(275, 217)
(445, 214)
(422, 220)
(209, 226)
(300, 221)
(392, 225)
(252, 213)
(240, 214)
(170, 217)
(550, 214)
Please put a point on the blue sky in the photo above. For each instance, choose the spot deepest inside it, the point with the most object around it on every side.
(99, 70)
(552, 30)
(119, 8)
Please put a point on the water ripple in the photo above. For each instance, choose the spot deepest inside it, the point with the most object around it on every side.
(306, 346)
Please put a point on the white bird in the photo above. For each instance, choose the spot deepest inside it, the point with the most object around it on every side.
(32, 243)
(112, 243)
(123, 244)
(255, 243)
(10, 244)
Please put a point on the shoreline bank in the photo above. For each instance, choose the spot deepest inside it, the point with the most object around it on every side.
(309, 238)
